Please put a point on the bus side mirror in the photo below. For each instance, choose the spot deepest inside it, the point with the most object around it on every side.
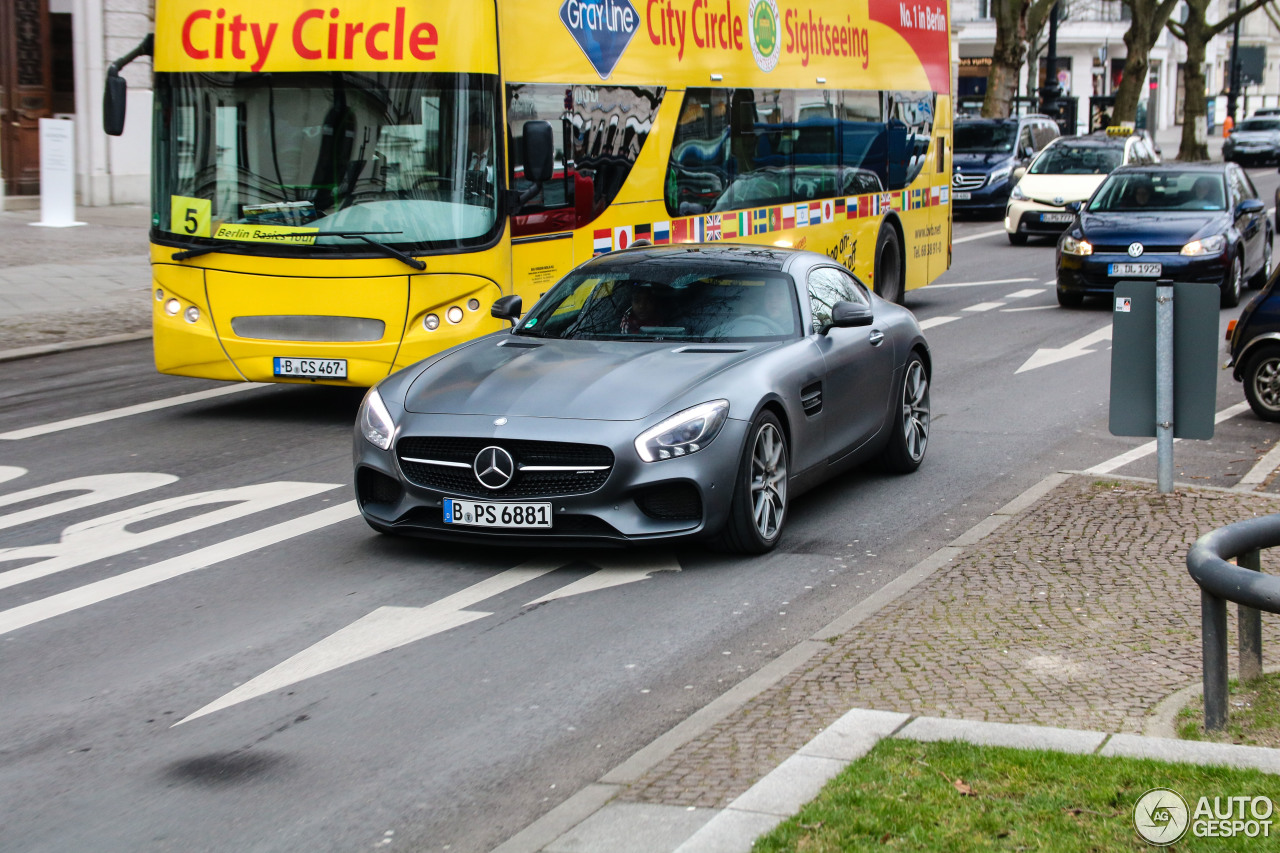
(539, 151)
(507, 308)
(113, 103)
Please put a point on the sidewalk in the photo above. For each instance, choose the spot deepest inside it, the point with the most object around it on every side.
(1065, 620)
(62, 286)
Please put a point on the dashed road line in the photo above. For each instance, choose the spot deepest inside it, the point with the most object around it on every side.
(979, 236)
(936, 321)
(1024, 294)
(1117, 462)
(984, 306)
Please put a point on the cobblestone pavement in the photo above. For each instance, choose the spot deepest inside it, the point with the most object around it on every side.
(1078, 613)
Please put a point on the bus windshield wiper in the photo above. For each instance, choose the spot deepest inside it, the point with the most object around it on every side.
(196, 251)
(390, 252)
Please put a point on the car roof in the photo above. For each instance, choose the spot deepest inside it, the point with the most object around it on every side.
(1094, 140)
(742, 255)
(1207, 167)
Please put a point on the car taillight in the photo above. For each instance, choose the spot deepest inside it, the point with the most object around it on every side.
(1231, 329)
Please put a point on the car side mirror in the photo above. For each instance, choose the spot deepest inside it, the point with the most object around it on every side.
(1249, 207)
(845, 315)
(1074, 206)
(1019, 172)
(1028, 152)
(507, 308)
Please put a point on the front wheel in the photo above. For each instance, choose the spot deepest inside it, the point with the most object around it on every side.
(1070, 298)
(1261, 376)
(758, 509)
(888, 273)
(1259, 279)
(910, 433)
(1017, 239)
(1234, 283)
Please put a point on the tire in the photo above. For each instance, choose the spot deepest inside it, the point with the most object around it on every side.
(889, 271)
(1070, 298)
(1017, 239)
(758, 510)
(1261, 376)
(1233, 284)
(1259, 279)
(909, 435)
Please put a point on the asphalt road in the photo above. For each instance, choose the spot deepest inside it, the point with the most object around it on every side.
(204, 648)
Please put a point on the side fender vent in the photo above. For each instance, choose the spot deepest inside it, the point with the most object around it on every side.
(811, 398)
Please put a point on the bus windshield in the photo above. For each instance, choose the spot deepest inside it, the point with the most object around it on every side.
(413, 159)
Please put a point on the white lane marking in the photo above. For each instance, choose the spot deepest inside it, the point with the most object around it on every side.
(93, 540)
(392, 627)
(141, 408)
(1257, 475)
(978, 283)
(984, 306)
(57, 605)
(936, 321)
(10, 472)
(1046, 356)
(1028, 308)
(100, 488)
(1147, 449)
(954, 241)
(1023, 294)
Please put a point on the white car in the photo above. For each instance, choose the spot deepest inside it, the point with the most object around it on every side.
(1069, 169)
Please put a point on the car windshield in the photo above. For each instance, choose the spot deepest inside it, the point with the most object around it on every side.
(1069, 159)
(411, 158)
(984, 137)
(1162, 191)
(1259, 124)
(657, 301)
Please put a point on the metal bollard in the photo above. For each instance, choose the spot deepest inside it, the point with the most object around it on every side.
(1213, 622)
(1250, 621)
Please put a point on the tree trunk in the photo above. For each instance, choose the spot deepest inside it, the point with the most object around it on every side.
(1138, 40)
(1197, 36)
(1002, 80)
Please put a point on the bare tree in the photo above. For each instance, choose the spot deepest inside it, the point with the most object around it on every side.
(1014, 20)
(1149, 18)
(1196, 32)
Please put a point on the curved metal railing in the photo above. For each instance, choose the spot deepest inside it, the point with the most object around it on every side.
(1243, 582)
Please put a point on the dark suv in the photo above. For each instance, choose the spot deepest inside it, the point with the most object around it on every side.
(987, 150)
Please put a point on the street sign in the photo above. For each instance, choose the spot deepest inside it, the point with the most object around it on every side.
(1133, 359)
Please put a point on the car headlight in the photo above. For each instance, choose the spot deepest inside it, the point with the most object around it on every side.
(684, 432)
(1208, 246)
(375, 421)
(1072, 246)
(999, 175)
(1016, 194)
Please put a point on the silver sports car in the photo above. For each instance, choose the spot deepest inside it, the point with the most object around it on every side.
(655, 393)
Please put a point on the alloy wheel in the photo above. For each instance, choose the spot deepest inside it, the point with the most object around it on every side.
(1266, 383)
(769, 481)
(915, 410)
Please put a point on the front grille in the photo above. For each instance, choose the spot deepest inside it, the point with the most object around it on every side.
(967, 182)
(452, 479)
(376, 487)
(302, 327)
(1101, 249)
(671, 502)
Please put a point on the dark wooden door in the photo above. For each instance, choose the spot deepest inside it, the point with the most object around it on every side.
(26, 91)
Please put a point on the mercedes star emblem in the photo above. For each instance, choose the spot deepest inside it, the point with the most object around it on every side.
(494, 467)
(1135, 249)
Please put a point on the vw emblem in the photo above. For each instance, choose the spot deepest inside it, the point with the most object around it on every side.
(1135, 249)
(494, 467)
(1057, 199)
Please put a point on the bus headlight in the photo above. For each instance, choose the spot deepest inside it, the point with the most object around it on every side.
(431, 322)
(193, 314)
(684, 432)
(454, 314)
(375, 421)
(172, 307)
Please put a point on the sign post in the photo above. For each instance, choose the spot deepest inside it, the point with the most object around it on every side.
(57, 174)
(1164, 376)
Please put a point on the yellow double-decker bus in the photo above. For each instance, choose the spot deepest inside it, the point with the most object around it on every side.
(340, 189)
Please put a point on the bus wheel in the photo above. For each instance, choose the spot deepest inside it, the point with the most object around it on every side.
(888, 272)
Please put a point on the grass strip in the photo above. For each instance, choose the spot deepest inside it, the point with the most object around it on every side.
(907, 795)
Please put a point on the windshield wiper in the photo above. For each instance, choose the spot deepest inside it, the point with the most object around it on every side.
(390, 252)
(196, 251)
